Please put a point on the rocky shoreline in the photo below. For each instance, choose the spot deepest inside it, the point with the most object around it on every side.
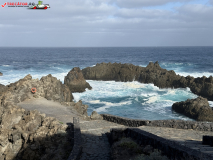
(30, 134)
(153, 73)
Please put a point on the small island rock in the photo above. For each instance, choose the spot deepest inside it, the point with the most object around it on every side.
(197, 109)
(75, 81)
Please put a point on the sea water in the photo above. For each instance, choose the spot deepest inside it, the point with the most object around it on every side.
(127, 99)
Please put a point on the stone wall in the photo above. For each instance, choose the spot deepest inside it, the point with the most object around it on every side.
(171, 149)
(77, 148)
(178, 124)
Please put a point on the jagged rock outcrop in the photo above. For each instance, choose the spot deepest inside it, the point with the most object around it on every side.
(197, 109)
(79, 107)
(153, 73)
(75, 81)
(1, 74)
(95, 116)
(2, 88)
(30, 135)
(48, 87)
(115, 71)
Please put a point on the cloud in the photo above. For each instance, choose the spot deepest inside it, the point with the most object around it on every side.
(143, 3)
(102, 23)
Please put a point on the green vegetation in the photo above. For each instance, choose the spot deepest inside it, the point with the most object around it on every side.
(128, 143)
(153, 156)
(61, 122)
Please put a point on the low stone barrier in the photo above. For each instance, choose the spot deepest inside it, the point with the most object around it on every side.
(178, 124)
(77, 147)
(167, 147)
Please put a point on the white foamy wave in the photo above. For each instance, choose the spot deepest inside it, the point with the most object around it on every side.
(158, 107)
(134, 84)
(108, 105)
(171, 91)
(210, 103)
(195, 75)
(6, 65)
(151, 100)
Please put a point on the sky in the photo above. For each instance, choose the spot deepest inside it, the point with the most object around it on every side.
(108, 23)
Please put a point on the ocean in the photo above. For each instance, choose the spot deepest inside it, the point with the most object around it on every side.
(126, 99)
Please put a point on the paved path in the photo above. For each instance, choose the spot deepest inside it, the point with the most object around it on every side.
(96, 145)
(95, 141)
(188, 138)
(51, 109)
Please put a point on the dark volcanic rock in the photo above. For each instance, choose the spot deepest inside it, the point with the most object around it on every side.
(153, 73)
(75, 81)
(115, 71)
(29, 134)
(197, 109)
(1, 74)
(48, 87)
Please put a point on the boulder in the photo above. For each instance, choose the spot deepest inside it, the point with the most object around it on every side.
(81, 108)
(75, 81)
(197, 109)
(95, 116)
(1, 74)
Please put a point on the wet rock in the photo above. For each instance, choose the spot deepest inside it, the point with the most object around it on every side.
(75, 81)
(95, 116)
(153, 73)
(1, 74)
(115, 71)
(197, 109)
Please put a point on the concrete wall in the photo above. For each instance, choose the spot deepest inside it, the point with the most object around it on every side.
(173, 150)
(179, 124)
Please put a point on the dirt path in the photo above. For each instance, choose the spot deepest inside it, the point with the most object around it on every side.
(52, 109)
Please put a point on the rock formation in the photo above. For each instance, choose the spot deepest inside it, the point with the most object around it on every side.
(153, 73)
(1, 74)
(95, 116)
(31, 135)
(79, 107)
(75, 81)
(197, 109)
(48, 87)
(2, 88)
